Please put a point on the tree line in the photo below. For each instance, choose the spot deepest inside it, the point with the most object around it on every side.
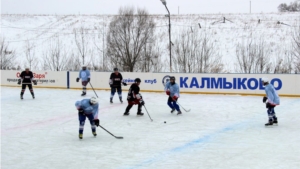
(292, 7)
(133, 46)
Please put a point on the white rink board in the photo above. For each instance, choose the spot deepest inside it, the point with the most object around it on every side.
(248, 84)
(44, 78)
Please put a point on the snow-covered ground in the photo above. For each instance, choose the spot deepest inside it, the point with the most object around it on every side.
(40, 30)
(220, 131)
(154, 7)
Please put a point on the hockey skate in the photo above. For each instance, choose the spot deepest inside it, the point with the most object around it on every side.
(140, 114)
(111, 101)
(179, 113)
(172, 110)
(270, 123)
(80, 136)
(275, 121)
(33, 97)
(95, 134)
(126, 113)
(83, 94)
(121, 100)
(21, 96)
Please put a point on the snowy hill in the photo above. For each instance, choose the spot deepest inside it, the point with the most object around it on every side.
(41, 29)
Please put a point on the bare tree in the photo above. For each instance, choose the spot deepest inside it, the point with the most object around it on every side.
(284, 62)
(82, 42)
(195, 52)
(185, 52)
(99, 42)
(73, 63)
(127, 36)
(293, 7)
(8, 55)
(56, 57)
(31, 60)
(253, 56)
(296, 47)
(262, 55)
(94, 62)
(150, 60)
(156, 62)
(283, 7)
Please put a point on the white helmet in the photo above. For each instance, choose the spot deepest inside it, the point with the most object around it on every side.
(83, 66)
(265, 80)
(93, 100)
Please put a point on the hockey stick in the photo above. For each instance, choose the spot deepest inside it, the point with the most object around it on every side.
(111, 133)
(148, 113)
(183, 108)
(93, 89)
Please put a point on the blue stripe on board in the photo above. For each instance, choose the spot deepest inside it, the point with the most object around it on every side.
(68, 80)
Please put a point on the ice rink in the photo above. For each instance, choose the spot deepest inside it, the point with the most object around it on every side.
(220, 132)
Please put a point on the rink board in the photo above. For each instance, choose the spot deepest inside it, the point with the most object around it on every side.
(242, 84)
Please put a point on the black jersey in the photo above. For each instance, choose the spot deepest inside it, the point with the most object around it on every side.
(115, 79)
(26, 77)
(133, 90)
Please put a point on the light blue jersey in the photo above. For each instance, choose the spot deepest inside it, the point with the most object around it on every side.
(84, 75)
(87, 107)
(272, 95)
(174, 89)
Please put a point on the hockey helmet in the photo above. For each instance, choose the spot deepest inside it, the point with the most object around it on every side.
(137, 80)
(265, 80)
(93, 100)
(172, 78)
(116, 69)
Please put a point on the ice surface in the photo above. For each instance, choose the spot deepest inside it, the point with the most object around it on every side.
(220, 131)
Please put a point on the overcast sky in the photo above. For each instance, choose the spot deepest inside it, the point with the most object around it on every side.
(153, 6)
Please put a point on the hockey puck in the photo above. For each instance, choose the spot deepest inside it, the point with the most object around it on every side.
(165, 122)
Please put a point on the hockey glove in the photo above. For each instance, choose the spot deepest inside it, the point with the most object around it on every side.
(34, 82)
(265, 99)
(269, 105)
(174, 97)
(125, 84)
(168, 92)
(142, 102)
(77, 79)
(97, 122)
(138, 96)
(88, 80)
(80, 111)
(19, 81)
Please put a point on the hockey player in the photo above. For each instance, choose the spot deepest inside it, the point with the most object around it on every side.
(115, 82)
(88, 108)
(27, 78)
(271, 100)
(85, 77)
(134, 97)
(172, 90)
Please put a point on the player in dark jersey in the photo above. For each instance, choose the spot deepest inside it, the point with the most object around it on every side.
(134, 97)
(26, 78)
(115, 82)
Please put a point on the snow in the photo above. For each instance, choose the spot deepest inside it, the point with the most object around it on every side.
(220, 131)
(41, 29)
(154, 7)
